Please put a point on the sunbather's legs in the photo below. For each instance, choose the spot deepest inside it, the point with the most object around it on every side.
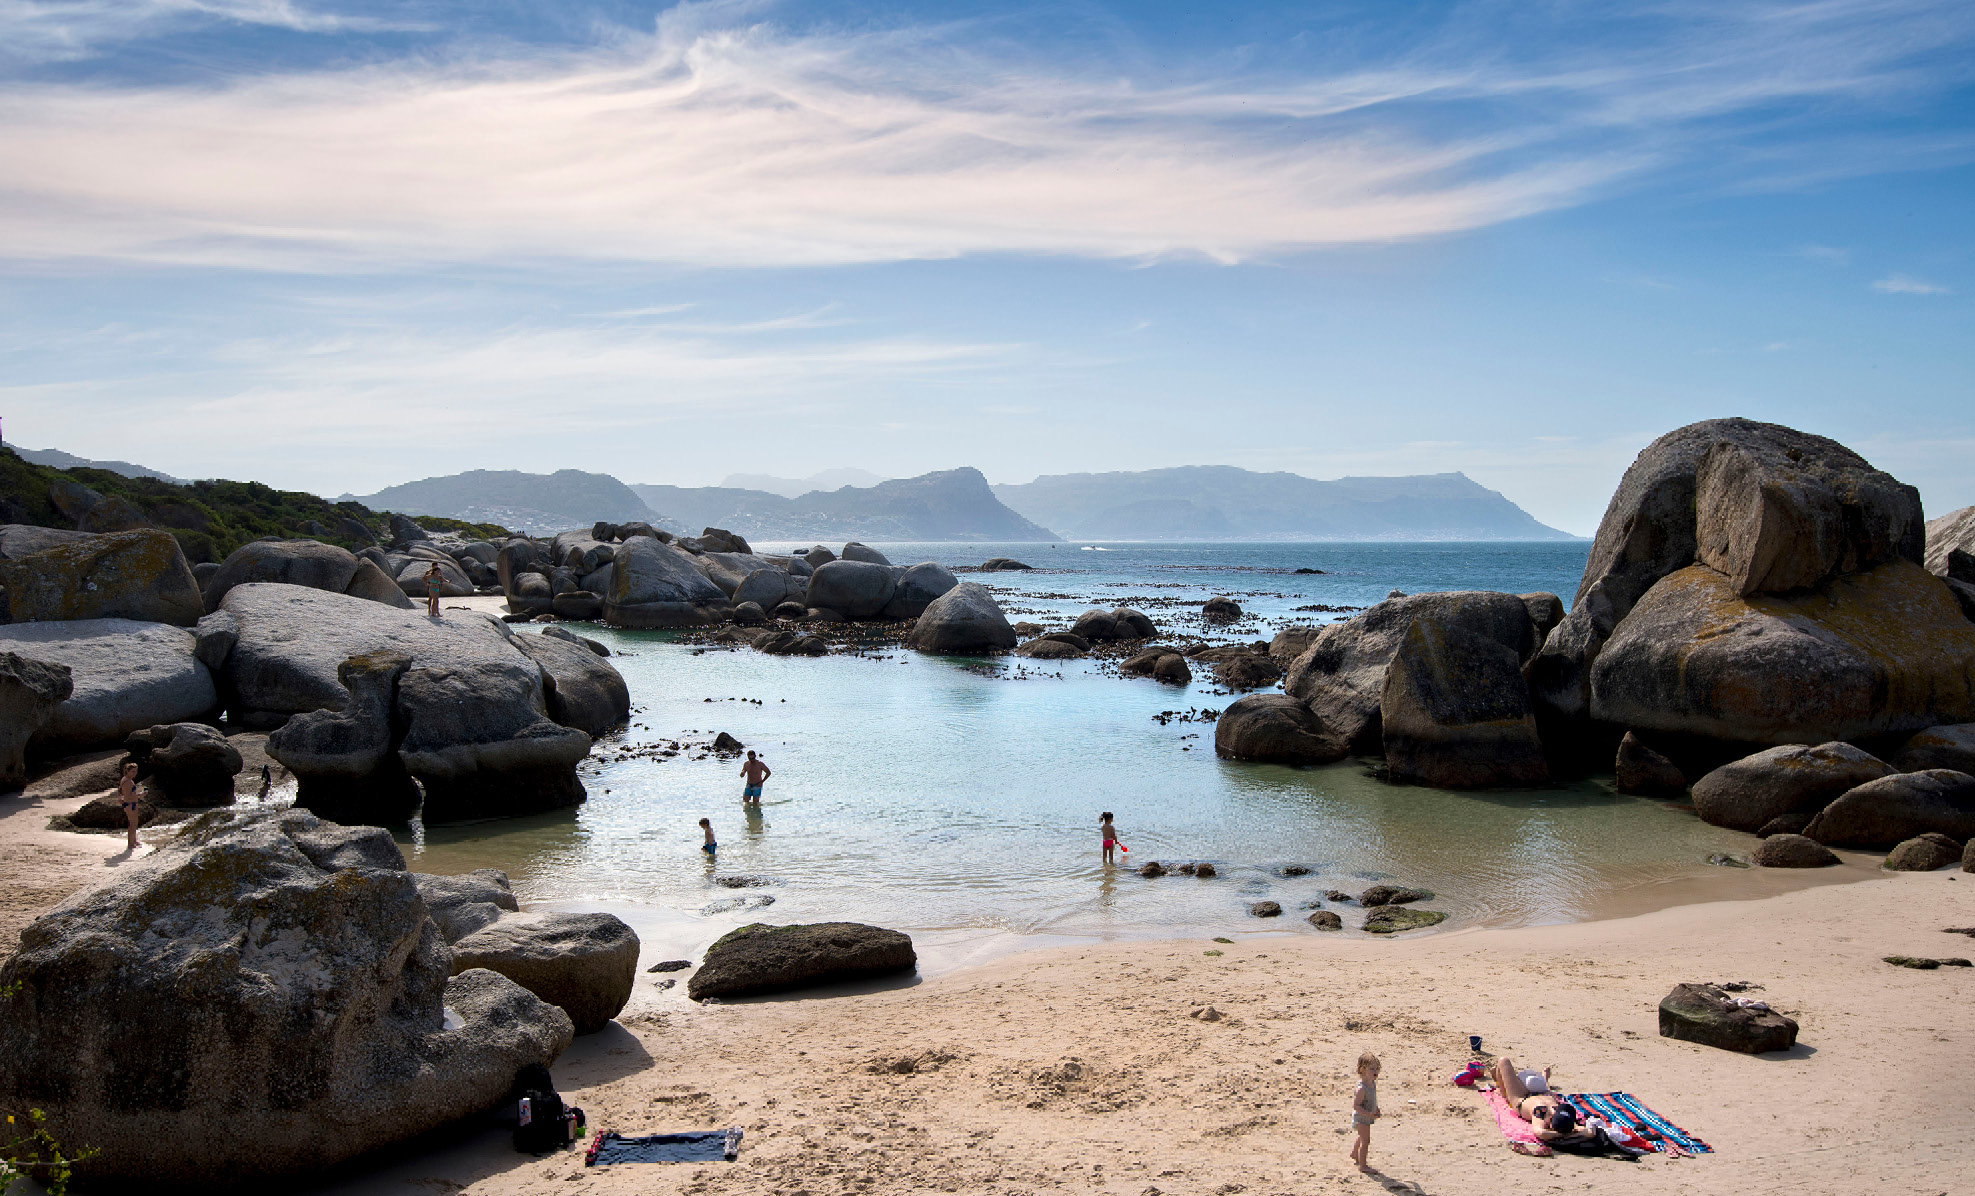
(1506, 1079)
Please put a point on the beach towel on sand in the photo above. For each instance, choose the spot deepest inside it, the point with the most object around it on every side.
(1624, 1110)
(1522, 1139)
(704, 1146)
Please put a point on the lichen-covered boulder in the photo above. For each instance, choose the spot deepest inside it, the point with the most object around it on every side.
(1939, 747)
(467, 902)
(138, 575)
(965, 619)
(1923, 853)
(918, 587)
(1883, 812)
(125, 676)
(302, 563)
(1455, 713)
(1880, 652)
(654, 584)
(585, 964)
(261, 998)
(1705, 1014)
(1397, 919)
(29, 692)
(582, 689)
(1768, 505)
(1341, 676)
(187, 764)
(1792, 851)
(1746, 794)
(765, 959)
(1275, 728)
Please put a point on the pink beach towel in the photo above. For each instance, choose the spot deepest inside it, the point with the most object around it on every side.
(1522, 1139)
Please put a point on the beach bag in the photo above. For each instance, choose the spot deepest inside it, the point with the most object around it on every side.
(540, 1121)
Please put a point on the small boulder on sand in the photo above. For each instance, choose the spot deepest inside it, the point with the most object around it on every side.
(1792, 851)
(1923, 853)
(1705, 1014)
(764, 959)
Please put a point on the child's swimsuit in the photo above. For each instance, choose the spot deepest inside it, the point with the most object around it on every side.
(710, 848)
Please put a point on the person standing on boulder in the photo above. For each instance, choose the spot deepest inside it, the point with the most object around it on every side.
(434, 582)
(753, 773)
(127, 798)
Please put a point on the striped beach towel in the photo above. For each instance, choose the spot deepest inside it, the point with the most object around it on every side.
(1624, 1109)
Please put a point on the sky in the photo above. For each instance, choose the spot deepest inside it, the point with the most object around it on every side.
(334, 245)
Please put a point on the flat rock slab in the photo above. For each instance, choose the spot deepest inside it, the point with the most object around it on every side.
(1705, 1014)
(766, 959)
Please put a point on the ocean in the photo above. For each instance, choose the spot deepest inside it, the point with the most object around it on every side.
(961, 795)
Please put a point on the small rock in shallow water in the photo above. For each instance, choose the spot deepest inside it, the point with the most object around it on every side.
(1723, 860)
(1265, 909)
(1204, 870)
(1392, 895)
(1336, 895)
(1323, 919)
(1153, 869)
(1295, 870)
(1394, 919)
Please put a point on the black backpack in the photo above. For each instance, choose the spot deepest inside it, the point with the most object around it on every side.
(539, 1128)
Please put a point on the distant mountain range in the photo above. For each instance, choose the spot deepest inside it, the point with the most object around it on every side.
(1219, 502)
(526, 502)
(57, 459)
(829, 479)
(956, 504)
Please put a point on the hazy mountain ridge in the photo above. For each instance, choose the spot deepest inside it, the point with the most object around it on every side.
(954, 504)
(1222, 502)
(530, 502)
(828, 479)
(57, 459)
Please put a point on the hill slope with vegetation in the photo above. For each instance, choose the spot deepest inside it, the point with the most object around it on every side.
(209, 518)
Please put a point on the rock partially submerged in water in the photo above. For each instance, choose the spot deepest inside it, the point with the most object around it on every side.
(1275, 728)
(964, 620)
(1379, 895)
(1454, 710)
(263, 997)
(766, 959)
(1396, 919)
(1705, 1014)
(1643, 772)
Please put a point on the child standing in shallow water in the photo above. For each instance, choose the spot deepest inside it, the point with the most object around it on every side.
(709, 847)
(1108, 834)
(1364, 1108)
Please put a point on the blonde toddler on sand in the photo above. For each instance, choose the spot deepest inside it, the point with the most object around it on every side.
(1364, 1108)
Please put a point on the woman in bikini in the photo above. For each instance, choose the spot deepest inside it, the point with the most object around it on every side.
(127, 796)
(1528, 1093)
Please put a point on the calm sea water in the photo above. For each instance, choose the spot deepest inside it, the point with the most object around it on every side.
(933, 793)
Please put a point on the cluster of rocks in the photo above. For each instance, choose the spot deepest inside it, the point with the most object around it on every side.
(267, 995)
(375, 705)
(1750, 587)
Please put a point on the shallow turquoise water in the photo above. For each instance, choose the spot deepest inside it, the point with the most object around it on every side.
(944, 793)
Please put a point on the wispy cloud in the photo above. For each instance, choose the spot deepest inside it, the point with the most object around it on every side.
(1828, 254)
(59, 30)
(1907, 284)
(720, 140)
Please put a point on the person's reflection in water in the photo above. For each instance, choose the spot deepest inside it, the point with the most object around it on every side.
(753, 814)
(1107, 888)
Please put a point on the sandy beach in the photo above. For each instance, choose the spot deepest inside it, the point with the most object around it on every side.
(1089, 1069)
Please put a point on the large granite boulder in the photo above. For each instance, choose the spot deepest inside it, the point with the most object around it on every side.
(1792, 851)
(261, 998)
(964, 620)
(465, 903)
(1939, 747)
(584, 964)
(1756, 494)
(29, 692)
(582, 689)
(125, 675)
(918, 587)
(855, 551)
(1278, 729)
(1644, 772)
(188, 764)
(137, 575)
(453, 581)
(1923, 853)
(1292, 642)
(1705, 1014)
(344, 759)
(23, 539)
(854, 589)
(1951, 545)
(1455, 712)
(302, 563)
(1121, 623)
(1341, 676)
(767, 959)
(478, 739)
(768, 587)
(1745, 794)
(530, 594)
(1881, 652)
(655, 585)
(728, 570)
(1883, 812)
(519, 556)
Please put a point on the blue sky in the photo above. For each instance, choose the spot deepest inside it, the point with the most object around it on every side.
(333, 246)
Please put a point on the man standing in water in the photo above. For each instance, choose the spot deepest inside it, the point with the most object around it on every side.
(754, 772)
